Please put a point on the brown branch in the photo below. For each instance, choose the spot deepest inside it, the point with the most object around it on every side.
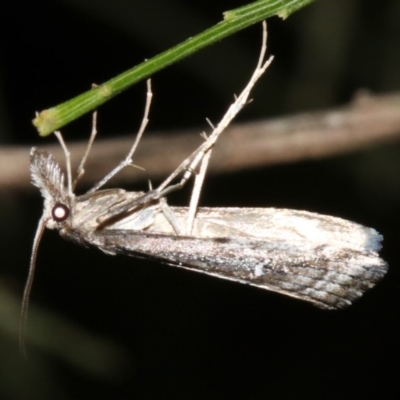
(366, 121)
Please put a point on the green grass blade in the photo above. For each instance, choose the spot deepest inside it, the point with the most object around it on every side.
(54, 118)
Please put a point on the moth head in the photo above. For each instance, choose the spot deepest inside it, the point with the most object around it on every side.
(47, 176)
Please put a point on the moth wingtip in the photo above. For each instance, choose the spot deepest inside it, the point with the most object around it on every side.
(372, 240)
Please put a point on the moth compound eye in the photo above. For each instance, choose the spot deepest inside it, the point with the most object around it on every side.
(60, 212)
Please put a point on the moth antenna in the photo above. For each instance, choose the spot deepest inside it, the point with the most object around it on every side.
(67, 161)
(81, 170)
(28, 285)
(128, 159)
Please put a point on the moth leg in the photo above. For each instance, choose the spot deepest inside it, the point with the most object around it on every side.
(189, 165)
(197, 186)
(81, 170)
(170, 216)
(189, 168)
(195, 158)
(128, 159)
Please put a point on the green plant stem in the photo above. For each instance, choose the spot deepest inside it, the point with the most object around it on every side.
(54, 118)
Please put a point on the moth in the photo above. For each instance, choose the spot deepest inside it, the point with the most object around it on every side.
(324, 260)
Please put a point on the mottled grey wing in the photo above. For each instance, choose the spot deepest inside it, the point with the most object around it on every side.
(328, 276)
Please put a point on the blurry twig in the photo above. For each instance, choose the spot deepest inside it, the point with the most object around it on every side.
(368, 120)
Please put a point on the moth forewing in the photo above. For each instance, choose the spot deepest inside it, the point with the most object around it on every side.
(325, 260)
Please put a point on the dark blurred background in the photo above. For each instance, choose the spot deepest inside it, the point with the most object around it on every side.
(115, 327)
